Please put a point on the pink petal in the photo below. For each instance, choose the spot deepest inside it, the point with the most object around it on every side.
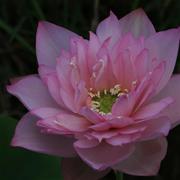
(68, 100)
(101, 126)
(93, 48)
(28, 135)
(47, 112)
(54, 88)
(109, 28)
(101, 135)
(153, 109)
(81, 95)
(172, 89)
(44, 71)
(137, 23)
(155, 128)
(147, 87)
(104, 155)
(120, 139)
(73, 122)
(146, 159)
(133, 129)
(50, 126)
(100, 71)
(142, 64)
(63, 70)
(164, 46)
(123, 106)
(81, 48)
(120, 122)
(86, 143)
(122, 66)
(50, 40)
(74, 75)
(32, 92)
(91, 115)
(76, 169)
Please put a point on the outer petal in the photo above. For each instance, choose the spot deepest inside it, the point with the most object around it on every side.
(146, 159)
(32, 92)
(171, 89)
(47, 112)
(164, 46)
(50, 40)
(155, 128)
(137, 23)
(153, 109)
(28, 136)
(109, 28)
(75, 168)
(104, 155)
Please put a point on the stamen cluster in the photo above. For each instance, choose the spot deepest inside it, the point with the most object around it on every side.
(102, 101)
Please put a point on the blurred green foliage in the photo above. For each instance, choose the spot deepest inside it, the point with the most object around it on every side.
(18, 23)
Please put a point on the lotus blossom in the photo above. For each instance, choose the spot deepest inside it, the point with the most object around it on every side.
(103, 103)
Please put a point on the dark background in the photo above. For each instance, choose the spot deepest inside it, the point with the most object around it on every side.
(18, 23)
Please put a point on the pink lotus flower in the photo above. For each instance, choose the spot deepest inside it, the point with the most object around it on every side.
(109, 100)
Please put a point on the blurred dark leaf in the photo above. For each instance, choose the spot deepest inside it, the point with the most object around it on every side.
(20, 164)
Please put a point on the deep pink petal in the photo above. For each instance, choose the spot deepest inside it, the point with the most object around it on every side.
(104, 155)
(146, 159)
(76, 169)
(28, 135)
(172, 89)
(32, 92)
(137, 23)
(50, 40)
(164, 46)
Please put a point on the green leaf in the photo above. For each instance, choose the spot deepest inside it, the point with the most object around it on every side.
(21, 164)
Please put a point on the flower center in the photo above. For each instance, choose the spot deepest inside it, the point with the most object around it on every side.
(102, 101)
